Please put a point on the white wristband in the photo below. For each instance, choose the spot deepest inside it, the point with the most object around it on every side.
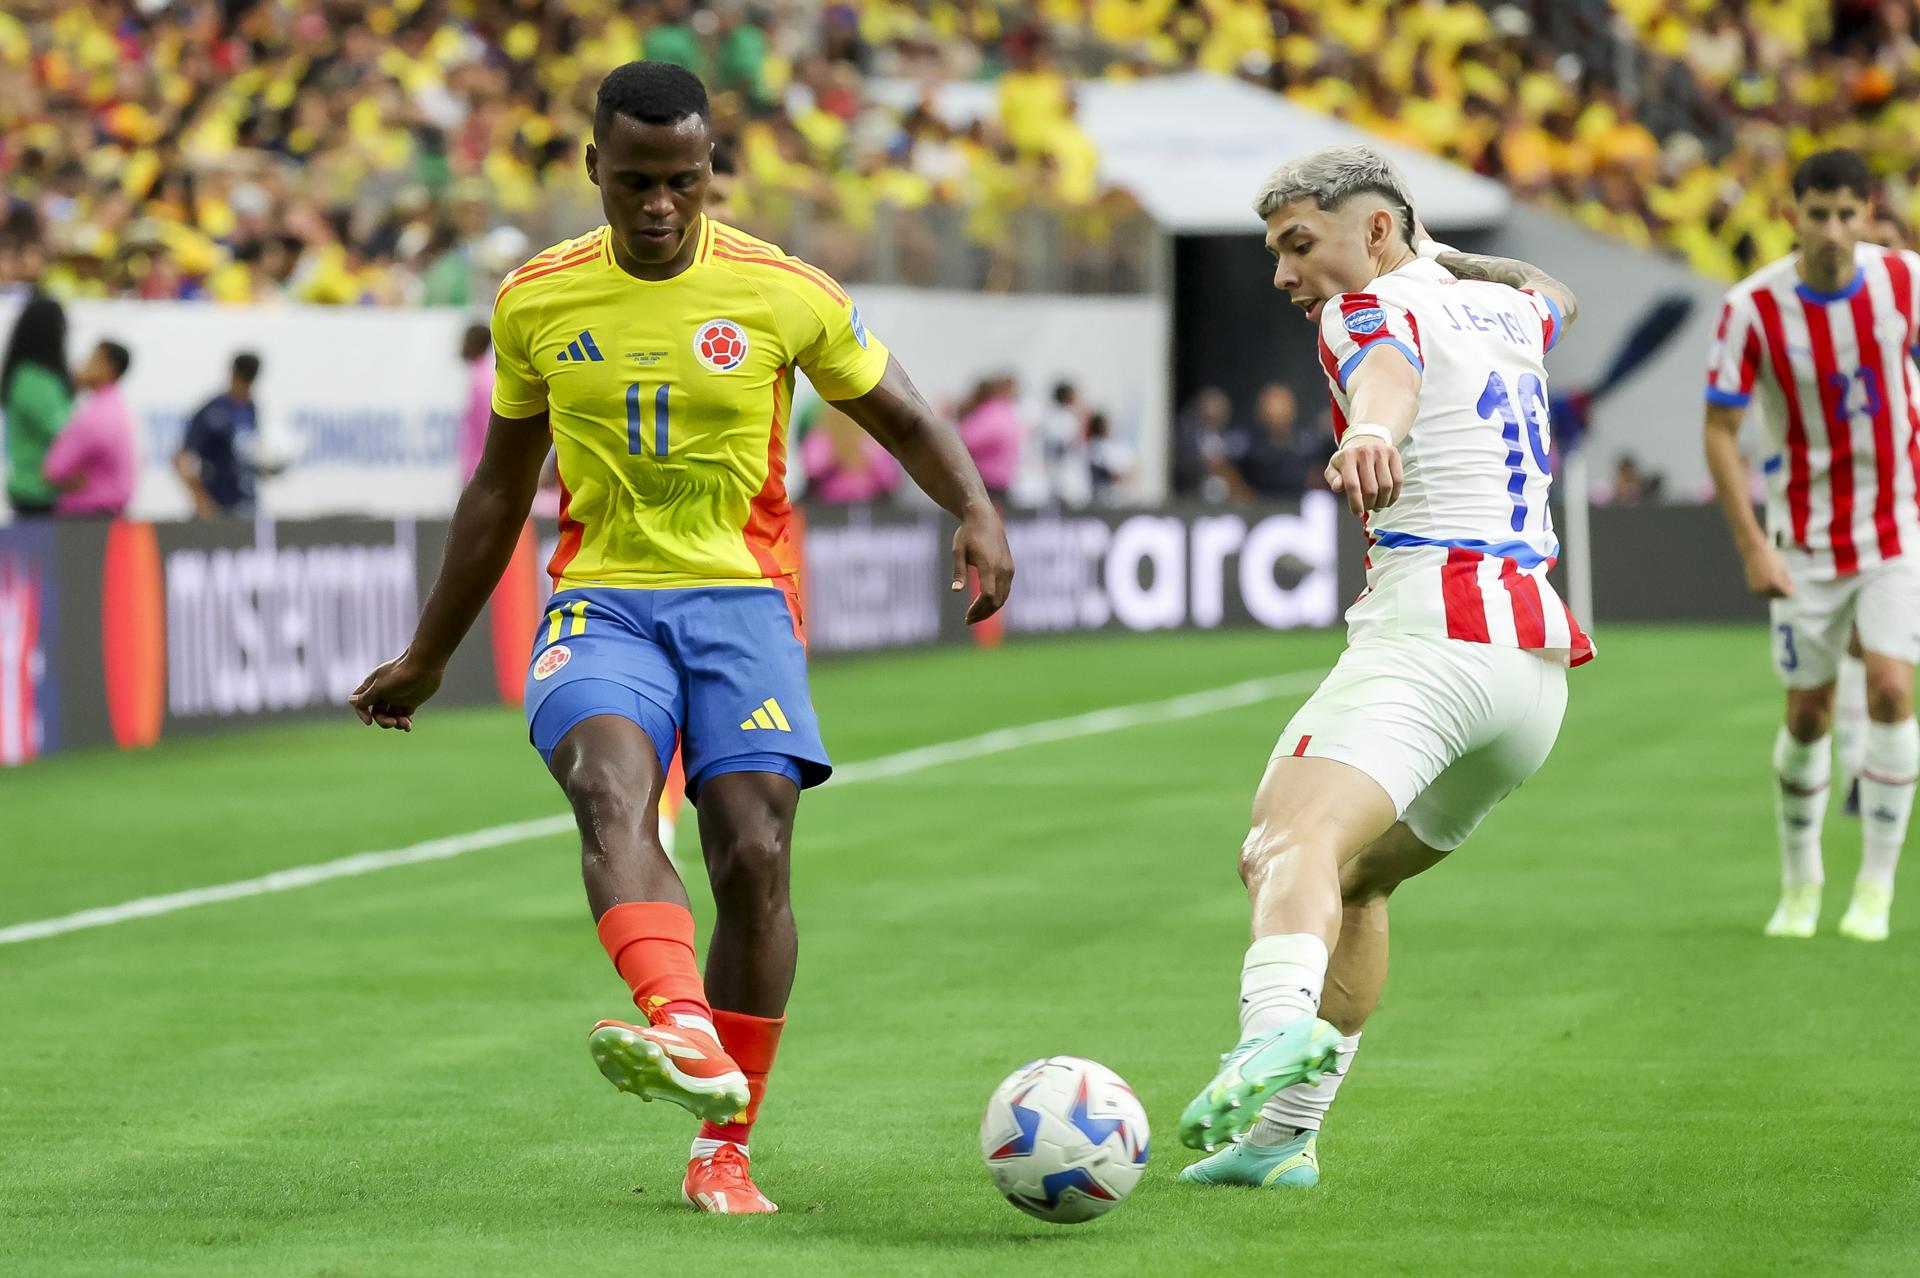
(1433, 248)
(1366, 430)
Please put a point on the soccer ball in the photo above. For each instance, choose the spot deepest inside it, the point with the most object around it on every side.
(1065, 1139)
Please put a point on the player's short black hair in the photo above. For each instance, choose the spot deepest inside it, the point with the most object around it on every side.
(246, 367)
(118, 358)
(650, 92)
(1835, 170)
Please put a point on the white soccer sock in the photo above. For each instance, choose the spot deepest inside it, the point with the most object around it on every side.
(1886, 797)
(1850, 717)
(1803, 770)
(707, 1147)
(1280, 981)
(1303, 1107)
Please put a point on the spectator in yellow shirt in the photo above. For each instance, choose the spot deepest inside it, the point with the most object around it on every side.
(1033, 94)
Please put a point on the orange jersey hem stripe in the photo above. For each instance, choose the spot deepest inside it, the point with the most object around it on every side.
(736, 252)
(551, 257)
(572, 533)
(524, 275)
(835, 294)
(745, 254)
(742, 243)
(770, 515)
(530, 276)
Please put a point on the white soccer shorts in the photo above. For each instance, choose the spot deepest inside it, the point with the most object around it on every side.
(1810, 628)
(1448, 728)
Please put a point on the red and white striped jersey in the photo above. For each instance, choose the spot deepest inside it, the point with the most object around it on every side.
(1838, 393)
(1464, 552)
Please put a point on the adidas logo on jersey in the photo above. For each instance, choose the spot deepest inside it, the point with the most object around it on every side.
(767, 717)
(581, 350)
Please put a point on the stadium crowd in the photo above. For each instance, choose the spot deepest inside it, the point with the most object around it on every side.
(409, 151)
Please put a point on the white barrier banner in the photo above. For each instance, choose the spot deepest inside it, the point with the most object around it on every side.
(363, 405)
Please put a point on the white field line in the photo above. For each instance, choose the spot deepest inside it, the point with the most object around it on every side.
(1113, 719)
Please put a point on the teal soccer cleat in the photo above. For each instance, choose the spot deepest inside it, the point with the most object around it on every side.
(1298, 1052)
(1294, 1165)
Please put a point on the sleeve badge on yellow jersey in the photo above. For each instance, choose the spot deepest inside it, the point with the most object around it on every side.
(721, 345)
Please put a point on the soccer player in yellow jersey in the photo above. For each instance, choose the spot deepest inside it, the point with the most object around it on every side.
(658, 353)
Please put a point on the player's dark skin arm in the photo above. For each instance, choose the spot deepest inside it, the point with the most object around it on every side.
(1515, 273)
(486, 527)
(895, 413)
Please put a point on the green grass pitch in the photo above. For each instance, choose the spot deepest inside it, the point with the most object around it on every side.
(1588, 1061)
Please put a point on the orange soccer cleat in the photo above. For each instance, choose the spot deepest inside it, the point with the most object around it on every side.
(722, 1183)
(679, 1063)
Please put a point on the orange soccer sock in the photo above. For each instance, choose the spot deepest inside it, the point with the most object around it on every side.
(651, 945)
(752, 1042)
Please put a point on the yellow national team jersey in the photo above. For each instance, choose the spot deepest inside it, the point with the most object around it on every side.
(669, 402)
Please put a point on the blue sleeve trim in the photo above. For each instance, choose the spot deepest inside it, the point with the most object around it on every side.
(1377, 343)
(1559, 323)
(1727, 399)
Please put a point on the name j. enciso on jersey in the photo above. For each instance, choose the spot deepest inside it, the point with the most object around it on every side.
(1503, 324)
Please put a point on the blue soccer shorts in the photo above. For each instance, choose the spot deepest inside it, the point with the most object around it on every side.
(721, 670)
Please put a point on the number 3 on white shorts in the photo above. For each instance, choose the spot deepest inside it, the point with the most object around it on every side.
(1789, 658)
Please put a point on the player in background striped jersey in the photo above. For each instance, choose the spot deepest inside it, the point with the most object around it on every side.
(1850, 685)
(1454, 681)
(1824, 339)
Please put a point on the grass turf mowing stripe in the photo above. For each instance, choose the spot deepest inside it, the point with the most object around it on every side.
(1000, 740)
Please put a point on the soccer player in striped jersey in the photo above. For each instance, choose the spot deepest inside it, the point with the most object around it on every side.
(1454, 681)
(1824, 338)
(658, 353)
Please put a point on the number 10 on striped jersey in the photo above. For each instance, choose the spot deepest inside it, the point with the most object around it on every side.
(635, 438)
(1528, 411)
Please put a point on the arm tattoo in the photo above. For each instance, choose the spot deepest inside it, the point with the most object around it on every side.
(1514, 273)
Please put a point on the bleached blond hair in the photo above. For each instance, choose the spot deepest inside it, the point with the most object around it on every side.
(1333, 175)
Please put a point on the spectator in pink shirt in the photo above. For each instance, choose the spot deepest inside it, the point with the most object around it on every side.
(991, 428)
(92, 463)
(844, 463)
(476, 350)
